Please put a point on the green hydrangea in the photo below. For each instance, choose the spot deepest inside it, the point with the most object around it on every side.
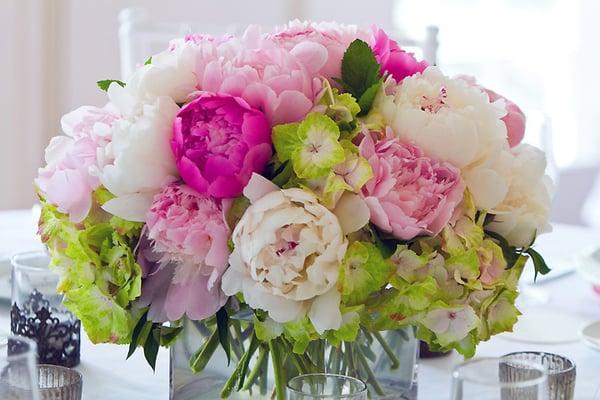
(99, 275)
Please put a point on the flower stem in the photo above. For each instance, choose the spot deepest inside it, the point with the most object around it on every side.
(277, 357)
(395, 363)
(372, 379)
(258, 366)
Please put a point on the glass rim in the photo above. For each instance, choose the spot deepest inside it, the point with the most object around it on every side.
(363, 385)
(71, 371)
(502, 385)
(31, 351)
(571, 367)
(17, 262)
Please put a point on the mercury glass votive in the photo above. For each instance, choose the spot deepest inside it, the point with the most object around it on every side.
(59, 383)
(38, 313)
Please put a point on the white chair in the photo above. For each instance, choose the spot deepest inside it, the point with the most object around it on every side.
(142, 34)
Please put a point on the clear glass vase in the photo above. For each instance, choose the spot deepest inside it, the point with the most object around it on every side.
(386, 361)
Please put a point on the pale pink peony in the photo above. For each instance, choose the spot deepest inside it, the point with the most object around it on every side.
(514, 118)
(218, 142)
(319, 45)
(280, 82)
(189, 233)
(410, 193)
(392, 58)
(66, 180)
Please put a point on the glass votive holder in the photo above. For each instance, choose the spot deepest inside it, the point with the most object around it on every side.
(38, 313)
(561, 372)
(326, 386)
(18, 378)
(59, 383)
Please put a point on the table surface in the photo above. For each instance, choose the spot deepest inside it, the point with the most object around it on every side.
(108, 376)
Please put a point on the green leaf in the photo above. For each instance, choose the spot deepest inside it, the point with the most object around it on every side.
(366, 99)
(223, 329)
(203, 355)
(511, 253)
(148, 61)
(105, 84)
(386, 246)
(360, 69)
(168, 334)
(538, 263)
(151, 349)
(137, 330)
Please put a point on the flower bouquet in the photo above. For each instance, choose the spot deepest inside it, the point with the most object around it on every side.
(294, 194)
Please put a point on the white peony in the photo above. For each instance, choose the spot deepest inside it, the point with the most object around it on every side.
(525, 210)
(136, 165)
(287, 253)
(171, 73)
(455, 122)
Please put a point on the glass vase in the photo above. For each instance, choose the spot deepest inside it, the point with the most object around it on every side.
(386, 361)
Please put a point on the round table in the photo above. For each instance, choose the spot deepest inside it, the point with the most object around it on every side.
(107, 375)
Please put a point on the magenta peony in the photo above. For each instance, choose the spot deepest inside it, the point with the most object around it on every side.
(410, 193)
(189, 234)
(66, 180)
(218, 142)
(392, 58)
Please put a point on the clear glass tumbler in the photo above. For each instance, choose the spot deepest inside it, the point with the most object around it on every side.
(326, 386)
(561, 372)
(37, 311)
(499, 379)
(18, 378)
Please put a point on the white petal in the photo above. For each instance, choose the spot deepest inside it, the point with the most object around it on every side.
(325, 312)
(132, 207)
(352, 212)
(258, 186)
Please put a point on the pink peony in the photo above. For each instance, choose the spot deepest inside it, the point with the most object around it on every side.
(280, 82)
(189, 234)
(514, 118)
(410, 193)
(218, 142)
(392, 58)
(66, 180)
(319, 44)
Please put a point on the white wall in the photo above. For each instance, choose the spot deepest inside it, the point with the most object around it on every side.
(54, 51)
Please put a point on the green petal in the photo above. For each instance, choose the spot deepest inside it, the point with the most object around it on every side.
(502, 314)
(363, 271)
(300, 333)
(464, 266)
(347, 331)
(267, 329)
(286, 140)
(320, 149)
(103, 319)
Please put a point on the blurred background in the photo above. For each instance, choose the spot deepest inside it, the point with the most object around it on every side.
(542, 54)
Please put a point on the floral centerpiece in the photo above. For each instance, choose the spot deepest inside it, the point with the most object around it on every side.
(292, 189)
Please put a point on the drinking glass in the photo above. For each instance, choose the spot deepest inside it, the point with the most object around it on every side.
(326, 386)
(37, 311)
(18, 379)
(59, 383)
(499, 379)
(561, 372)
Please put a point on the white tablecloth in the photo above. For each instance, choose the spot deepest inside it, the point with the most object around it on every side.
(108, 376)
